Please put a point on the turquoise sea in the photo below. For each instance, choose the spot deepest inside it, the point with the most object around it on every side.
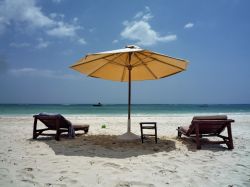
(121, 109)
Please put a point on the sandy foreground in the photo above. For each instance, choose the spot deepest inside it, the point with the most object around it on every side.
(98, 159)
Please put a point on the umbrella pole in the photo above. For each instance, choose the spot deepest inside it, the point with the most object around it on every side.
(129, 98)
(129, 136)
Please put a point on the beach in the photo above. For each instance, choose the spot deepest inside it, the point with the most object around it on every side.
(109, 66)
(99, 159)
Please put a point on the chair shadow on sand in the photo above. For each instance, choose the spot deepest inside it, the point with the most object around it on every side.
(106, 146)
(191, 145)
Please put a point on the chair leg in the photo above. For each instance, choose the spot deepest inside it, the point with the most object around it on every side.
(198, 143)
(230, 138)
(34, 128)
(57, 131)
(86, 130)
(179, 133)
(155, 134)
(141, 133)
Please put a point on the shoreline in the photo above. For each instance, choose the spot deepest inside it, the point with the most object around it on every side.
(191, 114)
(121, 110)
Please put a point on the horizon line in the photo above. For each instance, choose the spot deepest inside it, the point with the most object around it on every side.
(125, 103)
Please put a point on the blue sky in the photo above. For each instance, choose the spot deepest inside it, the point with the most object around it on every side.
(40, 39)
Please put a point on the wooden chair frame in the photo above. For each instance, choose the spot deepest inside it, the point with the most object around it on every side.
(148, 125)
(55, 124)
(201, 128)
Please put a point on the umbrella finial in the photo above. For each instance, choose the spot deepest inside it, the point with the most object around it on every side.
(132, 47)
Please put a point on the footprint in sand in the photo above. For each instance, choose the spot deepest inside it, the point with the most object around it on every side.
(133, 183)
(91, 162)
(241, 165)
(28, 169)
(73, 181)
(68, 180)
(167, 171)
(62, 172)
(3, 173)
(26, 175)
(125, 169)
(30, 182)
(54, 184)
(61, 178)
(116, 166)
(113, 165)
(157, 167)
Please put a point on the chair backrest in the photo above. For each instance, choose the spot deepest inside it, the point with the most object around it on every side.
(208, 124)
(216, 117)
(50, 120)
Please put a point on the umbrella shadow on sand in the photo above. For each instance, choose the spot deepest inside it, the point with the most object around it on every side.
(106, 146)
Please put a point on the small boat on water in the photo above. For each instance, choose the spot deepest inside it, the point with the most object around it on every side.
(203, 105)
(98, 104)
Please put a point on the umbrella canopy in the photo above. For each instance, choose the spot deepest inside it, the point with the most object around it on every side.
(129, 64)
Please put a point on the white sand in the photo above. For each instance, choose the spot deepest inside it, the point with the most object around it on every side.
(97, 159)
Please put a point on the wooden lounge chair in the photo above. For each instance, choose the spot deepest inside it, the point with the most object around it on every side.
(205, 126)
(55, 122)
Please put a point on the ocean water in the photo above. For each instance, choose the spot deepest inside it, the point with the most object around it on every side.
(122, 109)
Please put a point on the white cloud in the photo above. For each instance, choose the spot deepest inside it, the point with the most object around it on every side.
(188, 25)
(75, 19)
(24, 11)
(81, 41)
(30, 15)
(63, 30)
(32, 72)
(56, 1)
(91, 30)
(115, 41)
(140, 31)
(3, 64)
(19, 45)
(42, 43)
(3, 23)
(55, 15)
(144, 15)
(22, 71)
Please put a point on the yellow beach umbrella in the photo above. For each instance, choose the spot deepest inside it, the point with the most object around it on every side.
(129, 64)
